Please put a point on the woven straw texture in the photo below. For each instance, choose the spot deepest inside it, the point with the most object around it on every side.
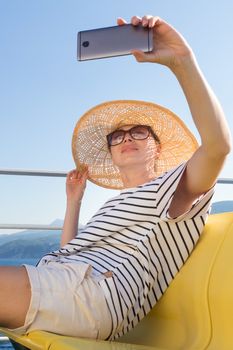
(89, 144)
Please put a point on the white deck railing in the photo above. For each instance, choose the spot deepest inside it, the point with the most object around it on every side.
(47, 173)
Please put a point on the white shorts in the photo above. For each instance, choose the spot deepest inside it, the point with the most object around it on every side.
(66, 299)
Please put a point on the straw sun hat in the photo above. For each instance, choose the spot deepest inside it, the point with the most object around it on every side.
(89, 144)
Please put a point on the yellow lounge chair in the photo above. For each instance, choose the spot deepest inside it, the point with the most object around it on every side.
(196, 312)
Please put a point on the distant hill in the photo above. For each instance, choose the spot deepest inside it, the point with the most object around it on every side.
(32, 248)
(31, 234)
(28, 235)
(29, 243)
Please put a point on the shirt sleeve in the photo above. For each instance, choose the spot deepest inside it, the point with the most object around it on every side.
(169, 183)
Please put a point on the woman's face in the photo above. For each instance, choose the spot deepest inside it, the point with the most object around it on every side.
(131, 152)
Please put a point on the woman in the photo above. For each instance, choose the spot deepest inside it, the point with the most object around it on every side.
(105, 280)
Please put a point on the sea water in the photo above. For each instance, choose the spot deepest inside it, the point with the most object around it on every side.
(5, 344)
(17, 262)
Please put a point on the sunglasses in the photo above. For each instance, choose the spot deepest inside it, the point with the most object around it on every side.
(138, 132)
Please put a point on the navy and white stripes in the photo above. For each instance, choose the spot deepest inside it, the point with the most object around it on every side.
(133, 236)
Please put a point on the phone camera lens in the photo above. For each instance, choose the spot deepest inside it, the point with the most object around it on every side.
(85, 44)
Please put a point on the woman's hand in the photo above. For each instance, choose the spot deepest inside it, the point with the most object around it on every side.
(75, 185)
(169, 47)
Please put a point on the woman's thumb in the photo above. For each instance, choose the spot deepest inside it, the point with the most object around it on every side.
(145, 56)
(139, 55)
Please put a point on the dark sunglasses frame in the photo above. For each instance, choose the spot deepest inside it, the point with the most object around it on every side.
(109, 136)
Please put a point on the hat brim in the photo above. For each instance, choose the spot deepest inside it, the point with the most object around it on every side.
(89, 144)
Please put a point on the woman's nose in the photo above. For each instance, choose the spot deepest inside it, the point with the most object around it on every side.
(127, 137)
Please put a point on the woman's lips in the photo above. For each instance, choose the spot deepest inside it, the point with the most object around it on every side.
(128, 149)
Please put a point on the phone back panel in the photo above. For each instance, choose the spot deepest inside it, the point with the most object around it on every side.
(113, 41)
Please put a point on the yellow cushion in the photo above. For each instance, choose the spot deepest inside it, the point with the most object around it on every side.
(196, 312)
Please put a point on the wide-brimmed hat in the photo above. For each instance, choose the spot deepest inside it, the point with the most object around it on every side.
(89, 143)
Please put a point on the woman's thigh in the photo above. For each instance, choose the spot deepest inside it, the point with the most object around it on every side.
(15, 295)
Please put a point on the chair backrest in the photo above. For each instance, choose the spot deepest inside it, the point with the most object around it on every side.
(196, 311)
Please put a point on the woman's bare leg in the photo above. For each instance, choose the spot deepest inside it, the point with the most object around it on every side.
(15, 295)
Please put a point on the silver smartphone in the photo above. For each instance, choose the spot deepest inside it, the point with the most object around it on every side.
(113, 41)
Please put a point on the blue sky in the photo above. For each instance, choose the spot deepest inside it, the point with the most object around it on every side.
(44, 89)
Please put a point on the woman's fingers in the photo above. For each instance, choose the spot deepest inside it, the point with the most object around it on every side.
(77, 175)
(83, 175)
(136, 20)
(71, 174)
(145, 21)
(121, 21)
(152, 21)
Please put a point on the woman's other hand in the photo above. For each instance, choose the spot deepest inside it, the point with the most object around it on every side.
(75, 185)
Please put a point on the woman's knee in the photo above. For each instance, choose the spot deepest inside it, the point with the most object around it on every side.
(15, 295)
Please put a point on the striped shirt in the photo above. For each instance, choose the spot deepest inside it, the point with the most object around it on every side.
(133, 236)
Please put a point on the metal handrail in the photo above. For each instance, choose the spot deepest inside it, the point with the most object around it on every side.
(225, 180)
(29, 227)
(22, 172)
(3, 339)
(33, 172)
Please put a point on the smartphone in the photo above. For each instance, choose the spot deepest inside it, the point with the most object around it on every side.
(113, 41)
